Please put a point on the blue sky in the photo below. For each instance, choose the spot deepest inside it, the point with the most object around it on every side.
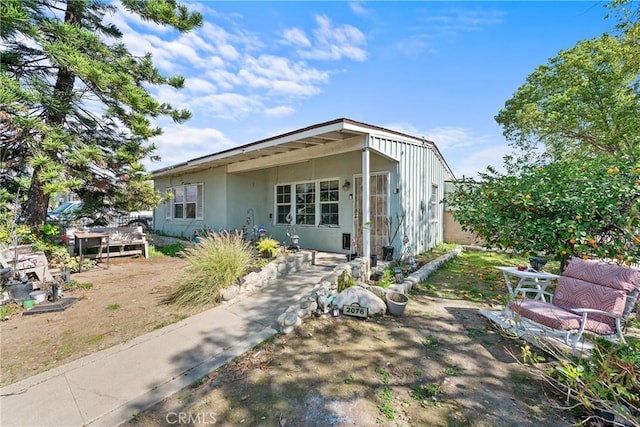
(434, 69)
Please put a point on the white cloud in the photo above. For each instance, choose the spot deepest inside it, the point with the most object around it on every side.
(415, 46)
(443, 136)
(296, 37)
(230, 72)
(464, 20)
(329, 42)
(279, 111)
(178, 98)
(461, 149)
(180, 143)
(358, 8)
(226, 105)
(433, 26)
(451, 137)
(279, 76)
(199, 85)
(228, 52)
(468, 164)
(226, 80)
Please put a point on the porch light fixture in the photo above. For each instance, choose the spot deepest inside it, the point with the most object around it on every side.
(347, 185)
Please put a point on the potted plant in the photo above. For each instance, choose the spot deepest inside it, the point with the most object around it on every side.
(268, 247)
(387, 250)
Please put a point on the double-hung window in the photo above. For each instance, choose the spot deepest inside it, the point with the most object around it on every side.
(283, 204)
(329, 195)
(433, 203)
(186, 202)
(308, 203)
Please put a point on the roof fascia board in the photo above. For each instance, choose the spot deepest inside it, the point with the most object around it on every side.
(271, 142)
(297, 156)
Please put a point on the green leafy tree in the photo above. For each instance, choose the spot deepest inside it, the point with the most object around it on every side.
(572, 185)
(583, 102)
(75, 108)
(565, 208)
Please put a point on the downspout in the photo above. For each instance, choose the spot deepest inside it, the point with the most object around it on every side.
(366, 210)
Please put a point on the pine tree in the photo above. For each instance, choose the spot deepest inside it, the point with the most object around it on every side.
(75, 111)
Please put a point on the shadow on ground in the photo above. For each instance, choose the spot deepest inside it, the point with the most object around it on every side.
(440, 364)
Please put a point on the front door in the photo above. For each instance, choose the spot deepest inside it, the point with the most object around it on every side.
(379, 206)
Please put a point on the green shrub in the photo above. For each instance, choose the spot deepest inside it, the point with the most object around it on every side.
(268, 247)
(608, 381)
(345, 281)
(387, 278)
(211, 266)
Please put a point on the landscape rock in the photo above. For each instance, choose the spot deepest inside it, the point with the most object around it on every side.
(229, 293)
(365, 298)
(379, 291)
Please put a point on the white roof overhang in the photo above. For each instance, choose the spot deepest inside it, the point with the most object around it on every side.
(329, 138)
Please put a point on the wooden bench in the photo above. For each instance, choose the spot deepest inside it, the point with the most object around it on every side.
(115, 241)
(591, 296)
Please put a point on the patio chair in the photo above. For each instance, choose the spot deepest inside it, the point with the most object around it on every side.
(591, 296)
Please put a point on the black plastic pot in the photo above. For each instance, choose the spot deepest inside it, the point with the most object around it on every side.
(387, 253)
(374, 261)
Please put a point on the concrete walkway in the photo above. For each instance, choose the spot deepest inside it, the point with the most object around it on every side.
(107, 388)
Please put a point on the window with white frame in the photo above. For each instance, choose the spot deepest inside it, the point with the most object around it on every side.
(305, 207)
(329, 195)
(433, 203)
(308, 203)
(283, 204)
(186, 202)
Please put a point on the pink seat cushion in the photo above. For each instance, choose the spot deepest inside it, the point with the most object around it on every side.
(575, 293)
(558, 318)
(584, 284)
(601, 273)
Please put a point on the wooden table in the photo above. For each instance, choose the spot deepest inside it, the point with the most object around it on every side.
(528, 278)
(92, 240)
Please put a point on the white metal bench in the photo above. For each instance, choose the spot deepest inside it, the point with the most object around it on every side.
(591, 296)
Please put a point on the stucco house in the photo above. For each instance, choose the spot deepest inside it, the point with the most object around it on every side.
(335, 184)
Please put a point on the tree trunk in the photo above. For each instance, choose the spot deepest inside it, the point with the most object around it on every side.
(37, 202)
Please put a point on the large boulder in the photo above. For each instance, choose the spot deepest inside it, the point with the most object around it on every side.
(365, 298)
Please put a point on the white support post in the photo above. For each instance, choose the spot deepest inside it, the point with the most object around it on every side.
(366, 209)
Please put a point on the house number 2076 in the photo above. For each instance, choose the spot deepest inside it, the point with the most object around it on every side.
(355, 310)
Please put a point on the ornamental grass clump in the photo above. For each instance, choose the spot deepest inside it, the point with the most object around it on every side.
(213, 265)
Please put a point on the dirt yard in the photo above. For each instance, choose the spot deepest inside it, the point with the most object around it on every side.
(440, 364)
(124, 301)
